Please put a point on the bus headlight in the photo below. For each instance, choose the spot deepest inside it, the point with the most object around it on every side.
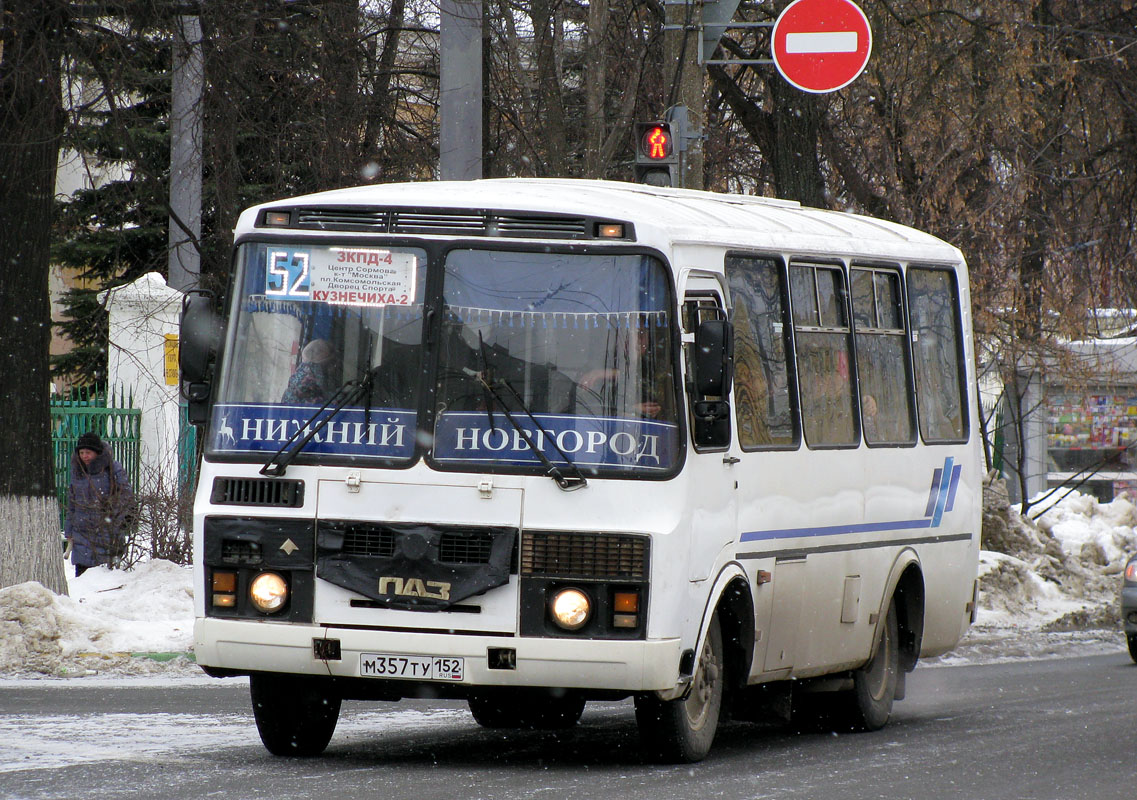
(571, 609)
(268, 592)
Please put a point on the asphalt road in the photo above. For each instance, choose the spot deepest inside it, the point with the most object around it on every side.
(1063, 729)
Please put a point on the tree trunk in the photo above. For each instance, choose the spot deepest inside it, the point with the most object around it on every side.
(29, 543)
(797, 128)
(788, 135)
(31, 126)
(343, 112)
(549, 99)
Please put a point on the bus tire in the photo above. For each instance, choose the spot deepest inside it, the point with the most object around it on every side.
(522, 710)
(295, 716)
(869, 702)
(1132, 639)
(681, 731)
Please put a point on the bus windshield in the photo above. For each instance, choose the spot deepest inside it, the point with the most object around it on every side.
(576, 348)
(308, 319)
(541, 357)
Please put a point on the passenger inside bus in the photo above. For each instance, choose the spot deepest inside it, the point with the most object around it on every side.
(313, 382)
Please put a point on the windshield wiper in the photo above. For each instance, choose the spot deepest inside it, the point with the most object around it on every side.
(568, 484)
(347, 393)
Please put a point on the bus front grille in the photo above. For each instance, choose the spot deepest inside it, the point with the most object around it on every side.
(471, 547)
(584, 555)
(257, 492)
(454, 546)
(360, 540)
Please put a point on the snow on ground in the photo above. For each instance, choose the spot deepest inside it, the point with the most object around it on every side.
(1047, 588)
(61, 740)
(129, 623)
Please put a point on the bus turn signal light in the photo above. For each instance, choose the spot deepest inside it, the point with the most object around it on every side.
(626, 602)
(625, 609)
(224, 585)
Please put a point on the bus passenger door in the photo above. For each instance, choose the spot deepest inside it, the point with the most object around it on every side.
(712, 488)
(767, 437)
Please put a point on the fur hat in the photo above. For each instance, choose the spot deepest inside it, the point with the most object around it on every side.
(90, 441)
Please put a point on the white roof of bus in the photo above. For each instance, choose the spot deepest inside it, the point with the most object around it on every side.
(660, 215)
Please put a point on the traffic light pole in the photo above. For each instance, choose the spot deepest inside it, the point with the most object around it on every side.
(681, 46)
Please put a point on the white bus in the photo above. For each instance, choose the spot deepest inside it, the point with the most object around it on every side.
(530, 443)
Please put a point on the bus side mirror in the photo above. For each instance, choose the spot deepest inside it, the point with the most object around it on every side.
(199, 337)
(713, 364)
(714, 358)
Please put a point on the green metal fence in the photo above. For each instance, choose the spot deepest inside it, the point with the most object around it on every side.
(115, 422)
(187, 452)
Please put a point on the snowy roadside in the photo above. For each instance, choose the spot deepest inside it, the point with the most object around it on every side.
(111, 623)
(1047, 590)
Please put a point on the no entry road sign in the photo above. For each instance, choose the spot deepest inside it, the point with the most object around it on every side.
(821, 45)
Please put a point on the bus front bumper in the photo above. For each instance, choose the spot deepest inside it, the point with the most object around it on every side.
(251, 646)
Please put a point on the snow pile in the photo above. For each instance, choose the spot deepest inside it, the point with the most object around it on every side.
(1061, 572)
(29, 629)
(112, 620)
(1049, 586)
(1046, 588)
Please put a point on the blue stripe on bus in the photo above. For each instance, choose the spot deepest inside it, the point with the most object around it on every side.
(933, 493)
(834, 530)
(944, 486)
(954, 485)
(941, 499)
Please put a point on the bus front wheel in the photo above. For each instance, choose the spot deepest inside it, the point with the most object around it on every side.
(295, 716)
(681, 731)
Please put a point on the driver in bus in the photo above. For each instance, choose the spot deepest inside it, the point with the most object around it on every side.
(655, 395)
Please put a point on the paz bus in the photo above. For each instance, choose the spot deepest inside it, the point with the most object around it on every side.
(530, 443)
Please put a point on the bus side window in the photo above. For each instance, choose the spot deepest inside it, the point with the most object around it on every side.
(941, 393)
(763, 394)
(824, 363)
(881, 337)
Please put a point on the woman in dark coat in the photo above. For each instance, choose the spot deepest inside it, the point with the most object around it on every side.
(99, 505)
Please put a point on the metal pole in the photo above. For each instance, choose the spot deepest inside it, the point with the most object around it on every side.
(460, 132)
(681, 43)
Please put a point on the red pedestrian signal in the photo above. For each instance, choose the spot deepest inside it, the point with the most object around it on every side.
(656, 142)
(657, 162)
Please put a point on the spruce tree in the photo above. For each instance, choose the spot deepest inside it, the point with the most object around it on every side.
(113, 231)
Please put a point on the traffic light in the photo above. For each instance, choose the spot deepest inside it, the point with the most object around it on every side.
(657, 157)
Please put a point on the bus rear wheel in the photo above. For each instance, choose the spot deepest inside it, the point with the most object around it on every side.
(525, 710)
(295, 715)
(1132, 639)
(869, 702)
(681, 731)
